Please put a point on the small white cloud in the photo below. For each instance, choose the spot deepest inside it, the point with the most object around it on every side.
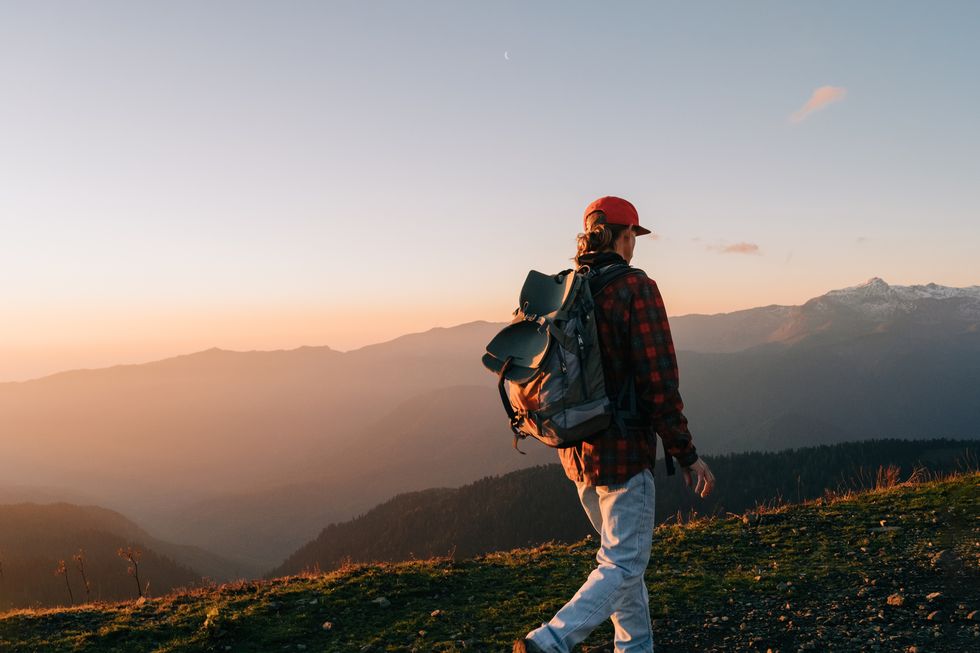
(737, 248)
(820, 98)
(741, 248)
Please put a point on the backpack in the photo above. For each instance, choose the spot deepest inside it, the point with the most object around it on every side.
(548, 362)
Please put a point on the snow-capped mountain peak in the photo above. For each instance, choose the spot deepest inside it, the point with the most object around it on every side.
(873, 287)
(876, 299)
(872, 307)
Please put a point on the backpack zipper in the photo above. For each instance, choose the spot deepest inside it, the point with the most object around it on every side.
(581, 364)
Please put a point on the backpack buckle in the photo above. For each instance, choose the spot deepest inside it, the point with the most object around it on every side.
(520, 416)
(515, 426)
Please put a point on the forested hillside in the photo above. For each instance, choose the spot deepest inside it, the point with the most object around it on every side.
(34, 539)
(531, 506)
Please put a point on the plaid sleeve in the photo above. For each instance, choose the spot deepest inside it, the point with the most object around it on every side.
(655, 370)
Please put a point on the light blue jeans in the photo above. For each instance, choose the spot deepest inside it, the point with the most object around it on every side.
(622, 514)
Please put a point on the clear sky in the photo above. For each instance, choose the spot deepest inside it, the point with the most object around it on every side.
(261, 175)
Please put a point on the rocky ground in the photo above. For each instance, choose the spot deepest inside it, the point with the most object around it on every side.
(891, 570)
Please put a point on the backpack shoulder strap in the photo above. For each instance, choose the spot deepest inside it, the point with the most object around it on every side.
(606, 275)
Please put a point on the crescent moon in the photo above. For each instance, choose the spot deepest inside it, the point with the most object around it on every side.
(506, 56)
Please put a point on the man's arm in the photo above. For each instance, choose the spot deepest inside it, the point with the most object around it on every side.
(655, 371)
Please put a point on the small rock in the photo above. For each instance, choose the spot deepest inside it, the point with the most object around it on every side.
(435, 613)
(382, 602)
(935, 615)
(932, 596)
(328, 625)
(973, 616)
(312, 601)
(896, 600)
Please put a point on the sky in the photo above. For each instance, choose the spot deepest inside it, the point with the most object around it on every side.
(176, 176)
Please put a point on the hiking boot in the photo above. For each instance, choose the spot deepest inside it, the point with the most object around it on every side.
(527, 646)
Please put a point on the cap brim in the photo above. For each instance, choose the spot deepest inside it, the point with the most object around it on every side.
(641, 231)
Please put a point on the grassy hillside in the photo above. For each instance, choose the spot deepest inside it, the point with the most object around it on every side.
(854, 573)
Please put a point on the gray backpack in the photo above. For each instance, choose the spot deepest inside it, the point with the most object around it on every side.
(548, 362)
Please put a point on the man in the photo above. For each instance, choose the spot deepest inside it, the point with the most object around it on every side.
(614, 471)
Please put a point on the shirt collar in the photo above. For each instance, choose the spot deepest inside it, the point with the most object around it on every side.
(596, 260)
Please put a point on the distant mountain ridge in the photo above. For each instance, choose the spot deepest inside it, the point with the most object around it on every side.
(873, 306)
(875, 299)
(877, 291)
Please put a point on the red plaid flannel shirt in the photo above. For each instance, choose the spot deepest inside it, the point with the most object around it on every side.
(634, 338)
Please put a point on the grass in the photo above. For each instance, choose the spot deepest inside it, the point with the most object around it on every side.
(710, 580)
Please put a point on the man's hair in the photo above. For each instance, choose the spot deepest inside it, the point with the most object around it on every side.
(598, 236)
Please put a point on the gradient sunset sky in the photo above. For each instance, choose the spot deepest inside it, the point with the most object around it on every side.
(176, 176)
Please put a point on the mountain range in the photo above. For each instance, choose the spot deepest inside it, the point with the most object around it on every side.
(923, 311)
(249, 454)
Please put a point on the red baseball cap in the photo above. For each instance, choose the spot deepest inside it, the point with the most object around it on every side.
(618, 211)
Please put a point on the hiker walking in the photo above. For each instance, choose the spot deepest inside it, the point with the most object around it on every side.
(613, 471)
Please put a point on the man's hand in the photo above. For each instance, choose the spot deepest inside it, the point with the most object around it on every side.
(706, 480)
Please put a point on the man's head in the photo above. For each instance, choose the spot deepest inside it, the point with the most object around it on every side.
(611, 225)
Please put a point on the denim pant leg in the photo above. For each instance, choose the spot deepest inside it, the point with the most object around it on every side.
(631, 614)
(633, 598)
(631, 618)
(623, 516)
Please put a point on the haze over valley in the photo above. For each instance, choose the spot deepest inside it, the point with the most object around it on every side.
(248, 455)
